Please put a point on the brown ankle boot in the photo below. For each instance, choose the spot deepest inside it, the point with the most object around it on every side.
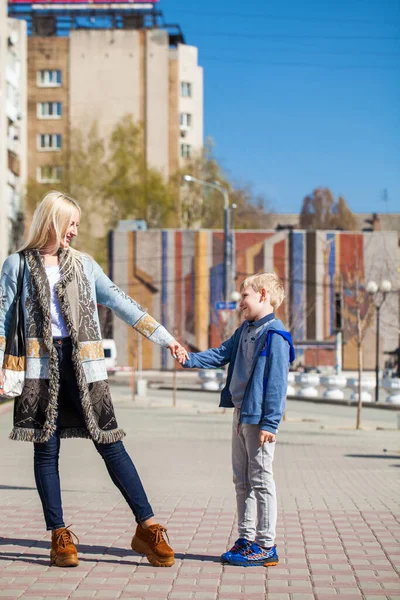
(63, 550)
(151, 542)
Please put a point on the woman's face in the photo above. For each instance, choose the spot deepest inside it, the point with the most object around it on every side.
(72, 230)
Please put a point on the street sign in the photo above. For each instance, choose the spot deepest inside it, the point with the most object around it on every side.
(225, 305)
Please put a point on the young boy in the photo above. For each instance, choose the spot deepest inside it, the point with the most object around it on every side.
(258, 353)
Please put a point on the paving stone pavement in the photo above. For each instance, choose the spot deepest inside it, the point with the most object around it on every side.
(338, 527)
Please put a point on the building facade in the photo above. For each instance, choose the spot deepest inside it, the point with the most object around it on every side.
(99, 62)
(13, 120)
(177, 275)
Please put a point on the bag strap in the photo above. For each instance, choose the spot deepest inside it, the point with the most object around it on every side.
(17, 316)
(21, 273)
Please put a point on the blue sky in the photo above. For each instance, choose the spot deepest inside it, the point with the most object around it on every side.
(301, 94)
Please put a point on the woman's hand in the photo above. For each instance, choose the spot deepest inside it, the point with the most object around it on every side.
(178, 352)
(1, 382)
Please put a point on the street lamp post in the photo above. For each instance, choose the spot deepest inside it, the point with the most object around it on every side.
(378, 294)
(227, 241)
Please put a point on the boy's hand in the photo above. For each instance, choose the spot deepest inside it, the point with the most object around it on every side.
(266, 436)
(178, 352)
(1, 382)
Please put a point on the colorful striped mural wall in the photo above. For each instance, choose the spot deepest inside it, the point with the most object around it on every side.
(178, 276)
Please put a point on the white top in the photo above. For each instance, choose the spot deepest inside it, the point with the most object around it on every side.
(58, 326)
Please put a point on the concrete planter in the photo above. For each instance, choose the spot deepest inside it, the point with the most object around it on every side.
(211, 379)
(308, 383)
(392, 386)
(291, 390)
(335, 385)
(366, 386)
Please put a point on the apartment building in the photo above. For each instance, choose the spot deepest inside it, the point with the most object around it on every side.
(47, 106)
(137, 72)
(101, 63)
(13, 118)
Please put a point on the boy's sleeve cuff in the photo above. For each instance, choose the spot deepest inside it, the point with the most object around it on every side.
(268, 428)
(187, 363)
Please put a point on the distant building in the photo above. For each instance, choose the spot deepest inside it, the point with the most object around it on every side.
(100, 61)
(13, 109)
(365, 221)
(177, 275)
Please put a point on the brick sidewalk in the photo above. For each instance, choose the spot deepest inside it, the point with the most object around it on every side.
(337, 529)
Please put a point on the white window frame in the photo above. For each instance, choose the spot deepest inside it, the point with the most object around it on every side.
(46, 80)
(186, 120)
(55, 174)
(186, 151)
(52, 139)
(186, 89)
(47, 106)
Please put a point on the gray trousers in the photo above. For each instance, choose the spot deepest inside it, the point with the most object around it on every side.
(254, 483)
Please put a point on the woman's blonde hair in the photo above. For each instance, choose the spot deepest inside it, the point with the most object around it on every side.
(271, 283)
(52, 217)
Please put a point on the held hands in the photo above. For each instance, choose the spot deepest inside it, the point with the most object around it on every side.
(1, 382)
(178, 352)
(266, 436)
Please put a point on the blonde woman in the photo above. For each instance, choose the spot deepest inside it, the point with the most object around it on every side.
(66, 393)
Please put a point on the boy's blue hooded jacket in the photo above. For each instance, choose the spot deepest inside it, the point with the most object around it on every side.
(264, 398)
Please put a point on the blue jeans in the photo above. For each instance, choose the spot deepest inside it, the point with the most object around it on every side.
(119, 465)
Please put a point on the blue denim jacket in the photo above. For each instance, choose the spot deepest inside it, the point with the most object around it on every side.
(264, 399)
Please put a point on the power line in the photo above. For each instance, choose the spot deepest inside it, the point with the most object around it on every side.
(297, 64)
(286, 18)
(288, 36)
(317, 52)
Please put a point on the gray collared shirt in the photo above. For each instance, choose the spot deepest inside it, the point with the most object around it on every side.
(244, 358)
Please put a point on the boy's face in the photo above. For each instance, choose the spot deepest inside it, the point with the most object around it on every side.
(253, 304)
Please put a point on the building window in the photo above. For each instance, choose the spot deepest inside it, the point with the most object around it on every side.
(49, 141)
(186, 89)
(48, 174)
(46, 78)
(186, 120)
(186, 150)
(49, 110)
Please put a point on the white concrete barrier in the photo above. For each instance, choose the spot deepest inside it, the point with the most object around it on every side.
(308, 383)
(335, 385)
(366, 386)
(392, 386)
(291, 389)
(212, 380)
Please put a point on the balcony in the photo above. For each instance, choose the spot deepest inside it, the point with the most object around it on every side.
(14, 163)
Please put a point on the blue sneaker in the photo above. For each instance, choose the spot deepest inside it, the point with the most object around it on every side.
(240, 545)
(272, 557)
(254, 556)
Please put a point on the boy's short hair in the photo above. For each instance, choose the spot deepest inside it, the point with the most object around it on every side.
(270, 282)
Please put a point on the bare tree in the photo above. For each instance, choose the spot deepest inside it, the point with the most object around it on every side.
(200, 207)
(321, 211)
(361, 311)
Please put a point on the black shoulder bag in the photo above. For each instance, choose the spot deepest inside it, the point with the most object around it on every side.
(15, 352)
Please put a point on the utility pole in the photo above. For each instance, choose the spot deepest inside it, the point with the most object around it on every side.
(338, 326)
(227, 277)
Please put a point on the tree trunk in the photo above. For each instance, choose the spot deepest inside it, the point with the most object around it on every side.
(360, 365)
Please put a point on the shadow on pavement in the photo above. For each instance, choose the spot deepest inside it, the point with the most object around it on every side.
(203, 557)
(386, 456)
(32, 559)
(23, 487)
(16, 487)
(84, 549)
